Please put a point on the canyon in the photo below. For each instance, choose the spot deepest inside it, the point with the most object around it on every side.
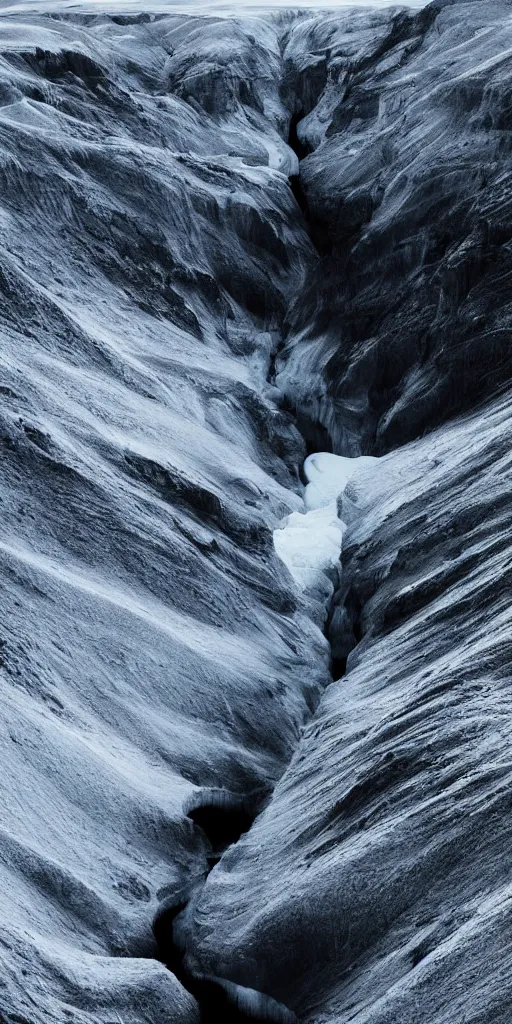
(233, 243)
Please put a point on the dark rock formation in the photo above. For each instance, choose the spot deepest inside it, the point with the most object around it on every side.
(407, 319)
(375, 887)
(185, 312)
(152, 647)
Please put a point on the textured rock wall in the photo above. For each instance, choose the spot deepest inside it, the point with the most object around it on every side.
(161, 291)
(375, 886)
(152, 647)
(407, 319)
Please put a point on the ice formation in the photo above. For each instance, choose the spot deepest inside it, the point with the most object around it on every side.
(309, 543)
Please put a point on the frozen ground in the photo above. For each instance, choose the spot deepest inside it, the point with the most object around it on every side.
(179, 327)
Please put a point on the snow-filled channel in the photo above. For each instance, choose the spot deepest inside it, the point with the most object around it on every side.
(309, 543)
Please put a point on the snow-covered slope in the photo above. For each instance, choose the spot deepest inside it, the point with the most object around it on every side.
(178, 318)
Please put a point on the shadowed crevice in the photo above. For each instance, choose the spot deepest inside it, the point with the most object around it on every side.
(224, 816)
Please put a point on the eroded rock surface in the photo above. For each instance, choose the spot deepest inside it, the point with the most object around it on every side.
(218, 235)
(376, 885)
(407, 184)
(151, 644)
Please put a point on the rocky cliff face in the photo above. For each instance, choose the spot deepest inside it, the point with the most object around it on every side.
(405, 118)
(225, 243)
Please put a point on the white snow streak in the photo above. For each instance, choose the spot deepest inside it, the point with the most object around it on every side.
(309, 543)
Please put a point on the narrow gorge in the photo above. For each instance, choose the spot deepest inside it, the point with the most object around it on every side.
(255, 310)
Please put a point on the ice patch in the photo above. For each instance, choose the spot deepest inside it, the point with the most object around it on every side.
(328, 475)
(309, 543)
